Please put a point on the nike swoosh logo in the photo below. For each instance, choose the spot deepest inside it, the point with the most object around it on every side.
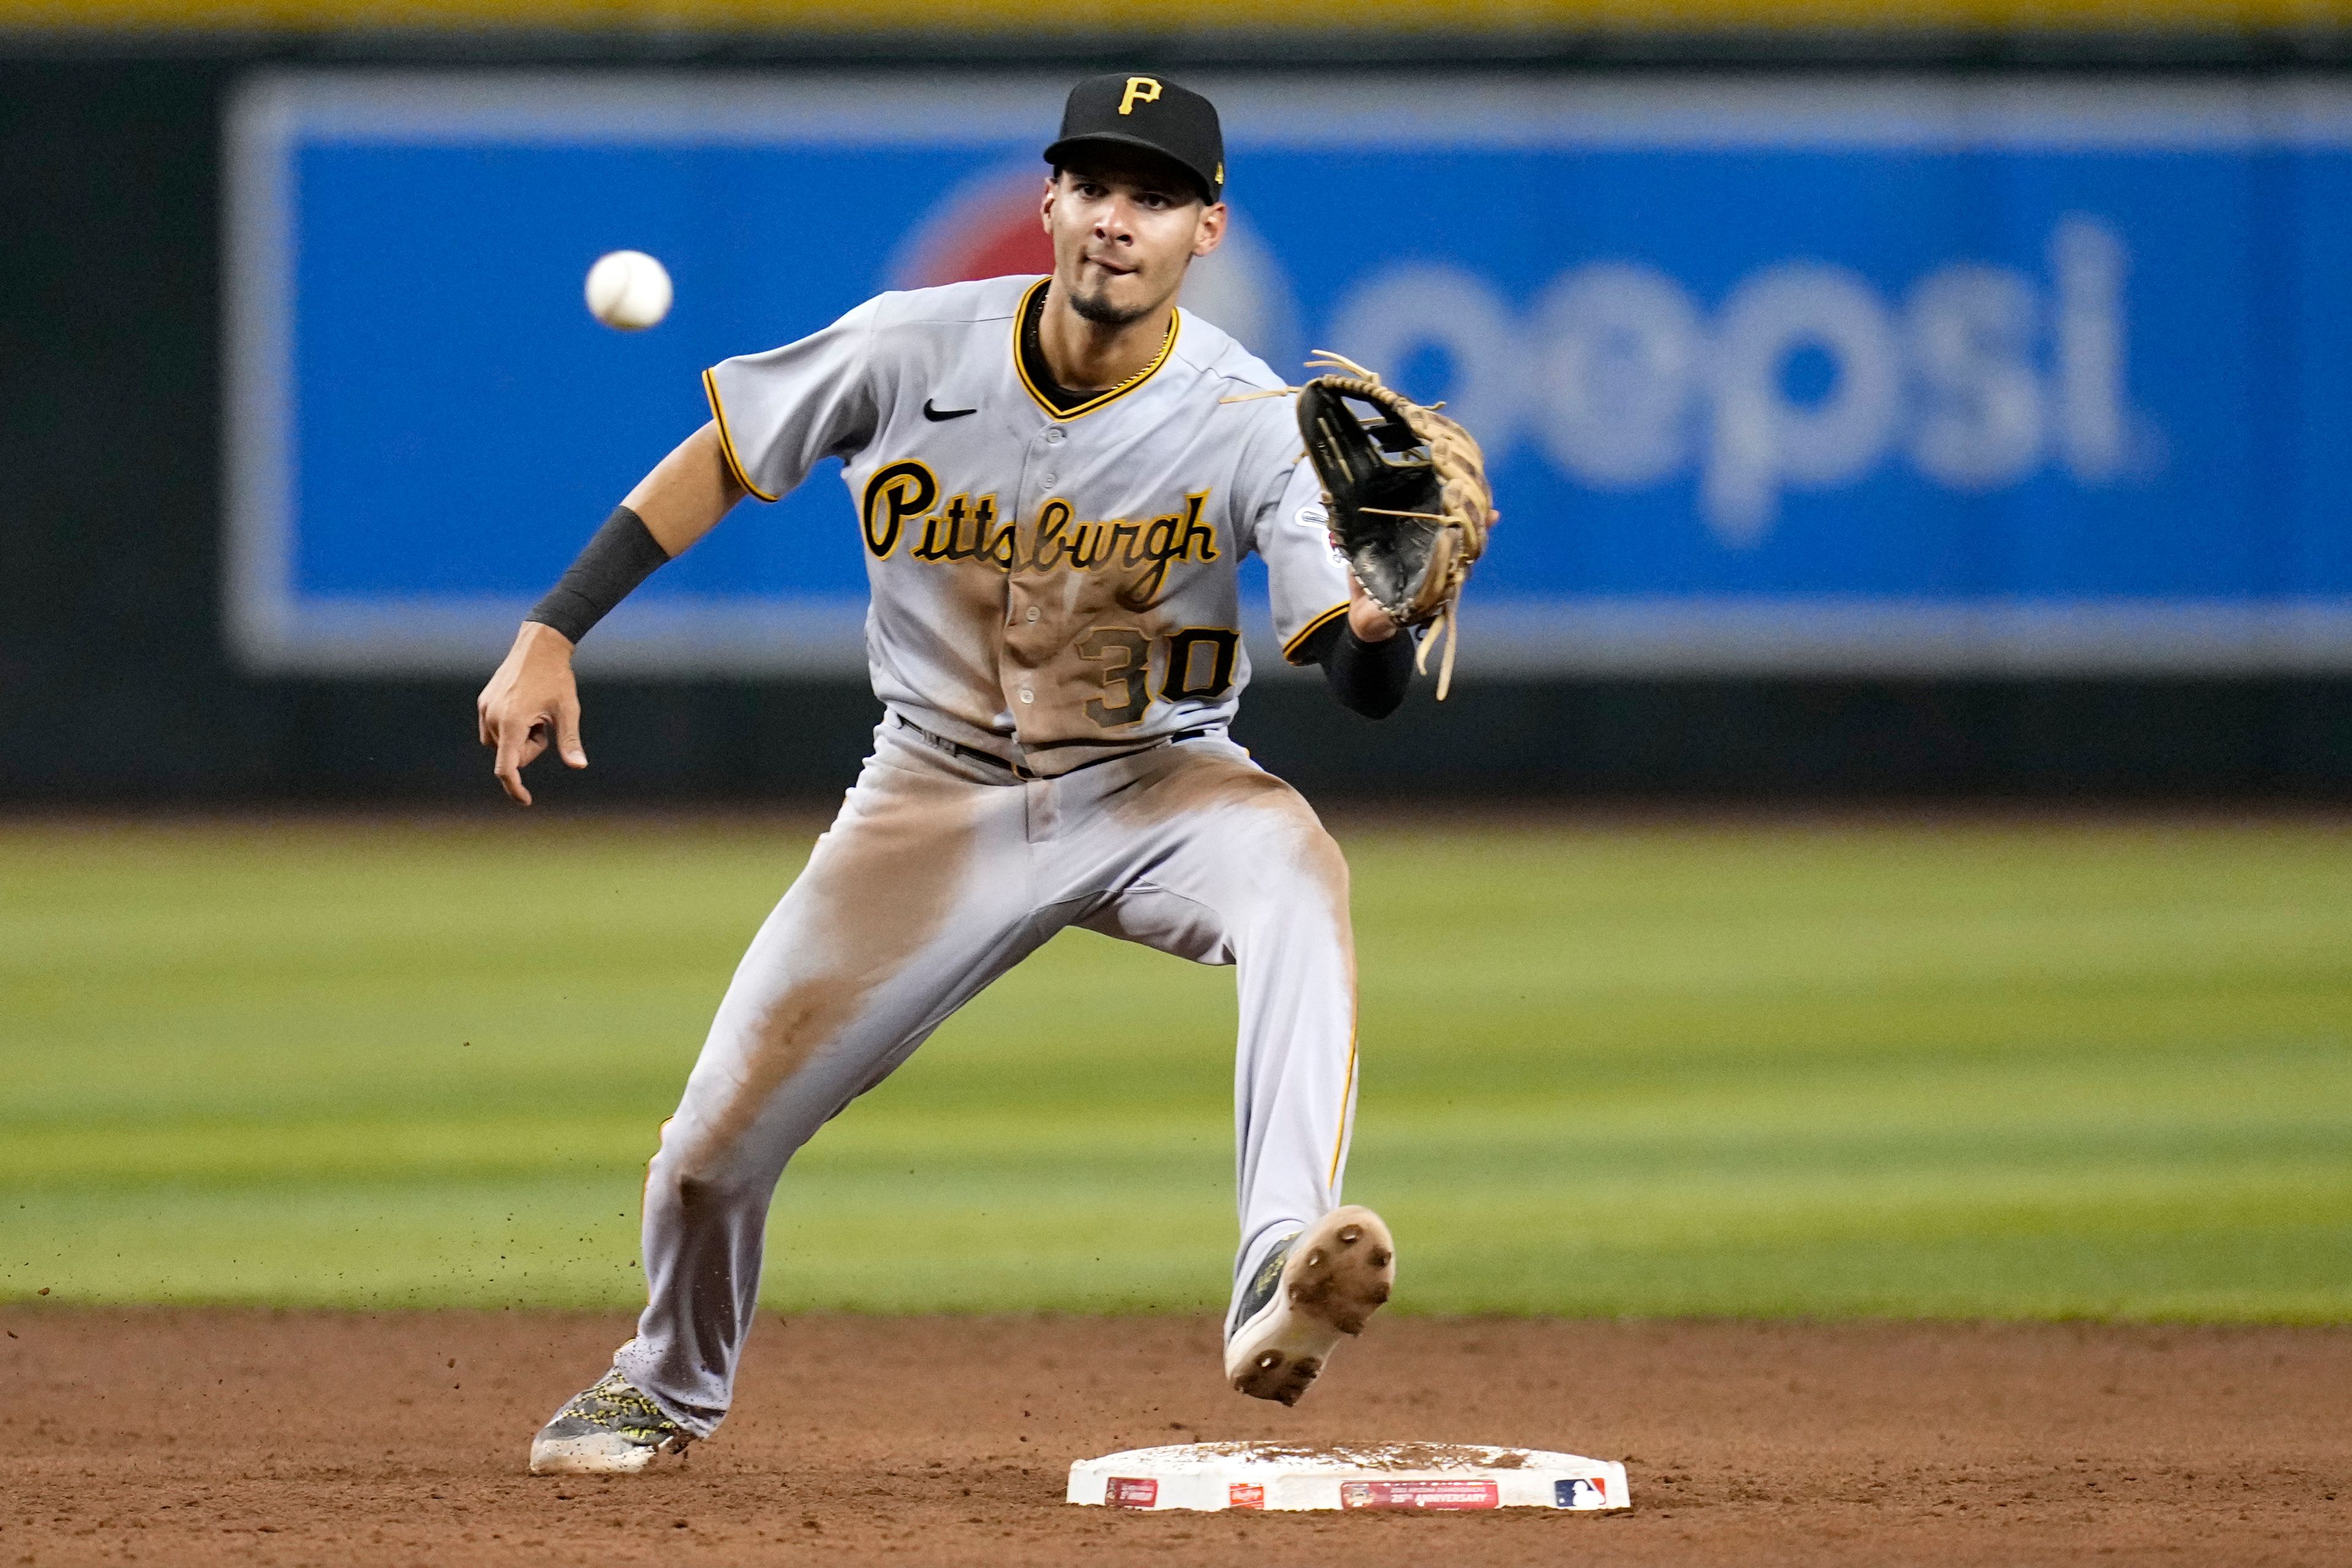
(932, 413)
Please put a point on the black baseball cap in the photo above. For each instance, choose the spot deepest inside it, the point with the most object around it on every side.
(1147, 112)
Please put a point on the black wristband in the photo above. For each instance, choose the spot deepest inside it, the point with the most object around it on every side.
(623, 554)
(1368, 677)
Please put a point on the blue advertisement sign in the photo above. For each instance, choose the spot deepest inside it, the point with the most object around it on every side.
(1863, 376)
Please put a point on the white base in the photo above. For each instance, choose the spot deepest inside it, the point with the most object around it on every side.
(1401, 1477)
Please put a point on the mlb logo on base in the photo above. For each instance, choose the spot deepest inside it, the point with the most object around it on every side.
(1576, 1493)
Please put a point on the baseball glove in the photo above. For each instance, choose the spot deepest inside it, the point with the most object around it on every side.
(1406, 491)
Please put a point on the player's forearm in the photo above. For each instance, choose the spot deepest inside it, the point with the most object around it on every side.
(1369, 678)
(682, 499)
(687, 491)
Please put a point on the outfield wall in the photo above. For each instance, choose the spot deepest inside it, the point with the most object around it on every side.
(125, 671)
(1317, 20)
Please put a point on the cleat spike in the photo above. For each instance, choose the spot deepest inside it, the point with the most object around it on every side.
(1306, 1294)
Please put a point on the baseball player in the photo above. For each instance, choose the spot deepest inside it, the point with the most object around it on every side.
(1054, 479)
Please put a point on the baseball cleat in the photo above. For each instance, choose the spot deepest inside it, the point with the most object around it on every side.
(610, 1429)
(1326, 1281)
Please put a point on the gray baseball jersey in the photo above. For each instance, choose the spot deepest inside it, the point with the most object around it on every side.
(1053, 589)
(1049, 586)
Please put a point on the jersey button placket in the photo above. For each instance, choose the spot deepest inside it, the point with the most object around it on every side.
(1050, 437)
(1027, 637)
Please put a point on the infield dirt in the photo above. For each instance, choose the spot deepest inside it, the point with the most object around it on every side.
(216, 1437)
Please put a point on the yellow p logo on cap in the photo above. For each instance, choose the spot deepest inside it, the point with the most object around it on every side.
(1139, 90)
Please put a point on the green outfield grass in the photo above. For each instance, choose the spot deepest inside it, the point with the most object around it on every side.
(1974, 1069)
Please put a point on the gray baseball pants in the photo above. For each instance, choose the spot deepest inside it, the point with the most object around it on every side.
(940, 873)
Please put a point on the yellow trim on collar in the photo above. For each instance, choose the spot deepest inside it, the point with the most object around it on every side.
(727, 442)
(1290, 648)
(1175, 319)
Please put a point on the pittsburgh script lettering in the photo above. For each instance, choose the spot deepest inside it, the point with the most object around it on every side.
(901, 501)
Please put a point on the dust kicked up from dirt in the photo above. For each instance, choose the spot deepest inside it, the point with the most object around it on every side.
(203, 1438)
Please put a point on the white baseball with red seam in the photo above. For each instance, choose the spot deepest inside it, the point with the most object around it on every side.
(628, 291)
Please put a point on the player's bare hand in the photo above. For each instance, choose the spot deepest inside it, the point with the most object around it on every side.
(1365, 616)
(530, 700)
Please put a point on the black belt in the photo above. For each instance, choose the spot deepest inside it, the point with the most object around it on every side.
(1021, 771)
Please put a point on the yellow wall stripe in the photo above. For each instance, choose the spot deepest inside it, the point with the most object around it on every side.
(1142, 16)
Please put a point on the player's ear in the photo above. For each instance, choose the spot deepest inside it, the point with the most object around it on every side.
(1209, 229)
(1045, 207)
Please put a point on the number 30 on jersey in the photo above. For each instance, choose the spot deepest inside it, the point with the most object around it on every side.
(1200, 668)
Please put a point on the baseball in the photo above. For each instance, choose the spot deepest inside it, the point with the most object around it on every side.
(628, 291)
